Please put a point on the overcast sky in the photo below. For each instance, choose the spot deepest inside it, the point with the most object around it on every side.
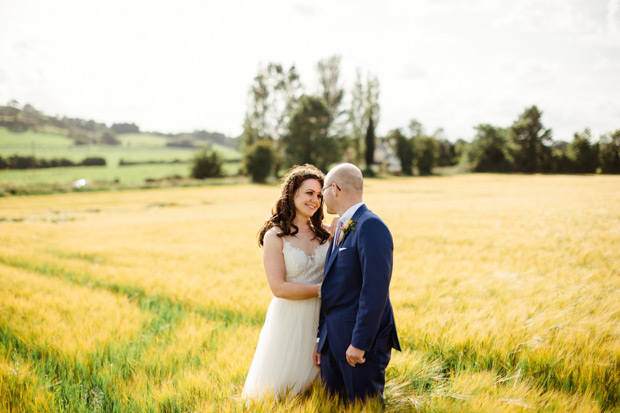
(181, 65)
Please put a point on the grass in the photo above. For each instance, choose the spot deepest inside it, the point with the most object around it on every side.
(133, 147)
(51, 144)
(100, 175)
(505, 290)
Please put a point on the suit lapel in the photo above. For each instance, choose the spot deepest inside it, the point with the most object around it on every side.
(331, 255)
(329, 250)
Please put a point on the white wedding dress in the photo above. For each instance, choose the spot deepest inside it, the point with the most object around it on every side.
(283, 358)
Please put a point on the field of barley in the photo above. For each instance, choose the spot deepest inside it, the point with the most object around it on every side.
(506, 291)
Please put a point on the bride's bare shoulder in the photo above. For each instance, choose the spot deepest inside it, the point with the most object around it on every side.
(273, 231)
(272, 236)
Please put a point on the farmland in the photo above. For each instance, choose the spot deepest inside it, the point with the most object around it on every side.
(134, 148)
(505, 289)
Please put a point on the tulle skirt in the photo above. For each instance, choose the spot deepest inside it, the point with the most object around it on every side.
(283, 358)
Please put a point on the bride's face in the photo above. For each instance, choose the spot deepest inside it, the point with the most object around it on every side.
(308, 198)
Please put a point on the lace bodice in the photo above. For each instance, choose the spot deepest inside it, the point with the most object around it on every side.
(300, 267)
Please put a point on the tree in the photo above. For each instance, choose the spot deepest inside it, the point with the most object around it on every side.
(459, 147)
(426, 154)
(488, 150)
(255, 123)
(356, 118)
(446, 155)
(108, 138)
(207, 164)
(22, 162)
(259, 160)
(561, 163)
(415, 128)
(255, 157)
(583, 153)
(416, 131)
(307, 140)
(120, 128)
(372, 114)
(425, 148)
(370, 147)
(404, 150)
(609, 153)
(94, 161)
(332, 92)
(32, 117)
(364, 105)
(530, 140)
(250, 134)
(11, 117)
(272, 98)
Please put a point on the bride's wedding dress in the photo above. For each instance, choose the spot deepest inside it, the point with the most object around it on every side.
(283, 358)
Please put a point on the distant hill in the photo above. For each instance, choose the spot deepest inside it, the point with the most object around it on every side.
(86, 132)
(198, 138)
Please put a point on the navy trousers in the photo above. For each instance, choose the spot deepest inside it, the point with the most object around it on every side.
(363, 381)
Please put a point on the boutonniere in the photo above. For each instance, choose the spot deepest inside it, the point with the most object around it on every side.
(346, 229)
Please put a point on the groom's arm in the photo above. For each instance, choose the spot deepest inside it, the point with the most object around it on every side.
(375, 248)
(316, 357)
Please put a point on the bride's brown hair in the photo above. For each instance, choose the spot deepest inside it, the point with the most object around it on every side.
(283, 212)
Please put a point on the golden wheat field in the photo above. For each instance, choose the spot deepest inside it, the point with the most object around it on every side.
(506, 290)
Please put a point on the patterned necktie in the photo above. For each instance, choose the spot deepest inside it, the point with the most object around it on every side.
(337, 234)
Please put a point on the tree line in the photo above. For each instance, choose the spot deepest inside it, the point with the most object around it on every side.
(285, 125)
(527, 146)
(30, 162)
(87, 132)
(83, 132)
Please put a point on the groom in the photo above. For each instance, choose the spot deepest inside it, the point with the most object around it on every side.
(356, 328)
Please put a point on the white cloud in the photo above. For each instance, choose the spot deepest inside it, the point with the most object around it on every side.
(188, 65)
(613, 19)
(413, 70)
(307, 10)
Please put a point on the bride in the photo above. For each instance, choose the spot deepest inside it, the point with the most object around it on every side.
(295, 243)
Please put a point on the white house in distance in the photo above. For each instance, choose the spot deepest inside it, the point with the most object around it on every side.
(385, 158)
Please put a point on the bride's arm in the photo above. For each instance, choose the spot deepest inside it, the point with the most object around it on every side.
(273, 260)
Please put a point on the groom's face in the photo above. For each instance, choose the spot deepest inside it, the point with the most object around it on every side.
(328, 197)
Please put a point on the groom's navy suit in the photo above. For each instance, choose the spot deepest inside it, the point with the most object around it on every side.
(356, 308)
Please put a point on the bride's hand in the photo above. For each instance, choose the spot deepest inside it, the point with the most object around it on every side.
(332, 228)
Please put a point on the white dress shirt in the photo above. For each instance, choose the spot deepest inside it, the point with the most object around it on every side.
(348, 214)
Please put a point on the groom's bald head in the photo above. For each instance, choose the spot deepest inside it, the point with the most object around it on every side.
(348, 177)
(343, 188)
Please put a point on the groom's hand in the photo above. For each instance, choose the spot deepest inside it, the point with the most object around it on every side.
(316, 357)
(355, 356)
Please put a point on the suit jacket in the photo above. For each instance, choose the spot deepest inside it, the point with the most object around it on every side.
(355, 302)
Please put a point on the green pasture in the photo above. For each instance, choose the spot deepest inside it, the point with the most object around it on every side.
(130, 175)
(134, 148)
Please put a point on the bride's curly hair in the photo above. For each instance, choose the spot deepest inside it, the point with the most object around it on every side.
(283, 212)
